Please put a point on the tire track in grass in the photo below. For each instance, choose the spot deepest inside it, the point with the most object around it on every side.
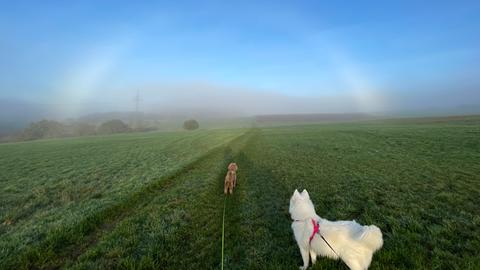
(178, 230)
(57, 189)
(66, 244)
(259, 236)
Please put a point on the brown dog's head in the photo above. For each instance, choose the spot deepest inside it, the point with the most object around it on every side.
(233, 167)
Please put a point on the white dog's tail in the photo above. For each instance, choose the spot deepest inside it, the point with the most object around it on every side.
(372, 237)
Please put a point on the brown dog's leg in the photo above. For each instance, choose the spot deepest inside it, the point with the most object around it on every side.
(225, 187)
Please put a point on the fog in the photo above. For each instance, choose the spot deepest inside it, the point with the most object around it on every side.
(216, 101)
(214, 60)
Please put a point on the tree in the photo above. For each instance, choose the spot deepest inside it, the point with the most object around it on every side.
(191, 124)
(113, 126)
(44, 129)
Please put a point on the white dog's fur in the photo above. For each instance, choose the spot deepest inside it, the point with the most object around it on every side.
(354, 243)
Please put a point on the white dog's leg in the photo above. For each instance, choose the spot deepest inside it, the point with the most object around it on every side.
(305, 257)
(313, 256)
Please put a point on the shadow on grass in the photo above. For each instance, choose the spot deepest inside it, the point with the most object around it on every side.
(258, 226)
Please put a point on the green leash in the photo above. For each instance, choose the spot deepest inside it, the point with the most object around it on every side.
(223, 227)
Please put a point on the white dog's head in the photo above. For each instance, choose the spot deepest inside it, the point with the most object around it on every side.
(301, 207)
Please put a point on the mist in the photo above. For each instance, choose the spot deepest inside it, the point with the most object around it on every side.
(61, 62)
(216, 101)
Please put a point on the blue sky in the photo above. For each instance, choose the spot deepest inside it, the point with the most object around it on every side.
(376, 55)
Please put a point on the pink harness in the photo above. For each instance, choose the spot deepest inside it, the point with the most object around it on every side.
(316, 229)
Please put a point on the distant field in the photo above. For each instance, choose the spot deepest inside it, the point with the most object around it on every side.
(155, 200)
(305, 119)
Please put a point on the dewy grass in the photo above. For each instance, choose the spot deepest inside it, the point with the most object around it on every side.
(56, 223)
(135, 202)
(223, 231)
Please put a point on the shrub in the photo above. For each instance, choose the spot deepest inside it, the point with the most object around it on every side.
(113, 126)
(44, 129)
(191, 124)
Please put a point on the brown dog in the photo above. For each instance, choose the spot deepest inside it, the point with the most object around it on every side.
(230, 178)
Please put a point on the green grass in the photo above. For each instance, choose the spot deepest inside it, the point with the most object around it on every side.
(150, 201)
(57, 192)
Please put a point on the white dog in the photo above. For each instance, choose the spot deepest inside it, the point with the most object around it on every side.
(347, 240)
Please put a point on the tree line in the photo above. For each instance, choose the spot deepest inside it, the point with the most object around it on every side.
(53, 129)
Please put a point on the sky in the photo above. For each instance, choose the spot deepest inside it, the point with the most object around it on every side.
(257, 57)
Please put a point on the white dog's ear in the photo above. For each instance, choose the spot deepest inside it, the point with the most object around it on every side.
(305, 194)
(296, 194)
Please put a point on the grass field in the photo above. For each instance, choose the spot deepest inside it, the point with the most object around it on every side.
(154, 201)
